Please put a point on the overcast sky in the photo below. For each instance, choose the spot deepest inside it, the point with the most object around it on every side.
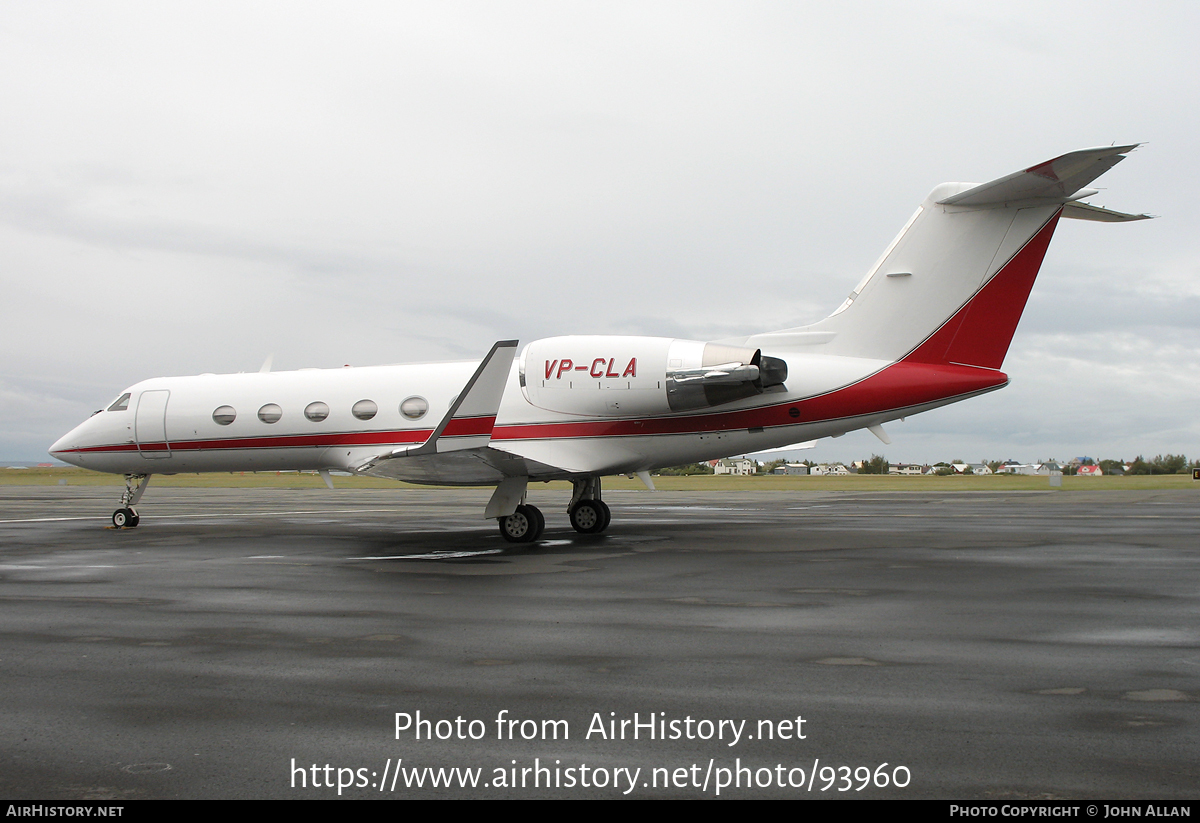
(188, 188)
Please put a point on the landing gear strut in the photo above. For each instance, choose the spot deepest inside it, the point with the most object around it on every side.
(523, 523)
(589, 514)
(127, 517)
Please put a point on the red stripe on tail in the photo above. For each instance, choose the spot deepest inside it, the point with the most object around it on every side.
(980, 332)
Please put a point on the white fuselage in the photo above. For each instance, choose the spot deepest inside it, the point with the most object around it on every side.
(171, 424)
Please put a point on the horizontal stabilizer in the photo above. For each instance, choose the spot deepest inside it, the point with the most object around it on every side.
(1086, 211)
(1054, 181)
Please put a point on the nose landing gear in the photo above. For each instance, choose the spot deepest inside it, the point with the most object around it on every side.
(127, 517)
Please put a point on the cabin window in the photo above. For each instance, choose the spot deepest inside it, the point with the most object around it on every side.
(414, 408)
(365, 409)
(224, 415)
(270, 413)
(121, 403)
(316, 412)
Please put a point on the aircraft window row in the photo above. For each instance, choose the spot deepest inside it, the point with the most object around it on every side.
(413, 408)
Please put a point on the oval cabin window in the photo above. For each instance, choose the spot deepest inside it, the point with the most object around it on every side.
(316, 412)
(224, 415)
(270, 413)
(414, 408)
(365, 409)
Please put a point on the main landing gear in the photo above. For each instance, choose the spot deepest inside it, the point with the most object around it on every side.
(587, 512)
(127, 517)
(590, 516)
(525, 525)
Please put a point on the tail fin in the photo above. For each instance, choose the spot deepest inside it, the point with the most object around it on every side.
(952, 286)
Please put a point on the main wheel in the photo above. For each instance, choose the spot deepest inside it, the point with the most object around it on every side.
(541, 521)
(522, 526)
(607, 514)
(587, 516)
(124, 518)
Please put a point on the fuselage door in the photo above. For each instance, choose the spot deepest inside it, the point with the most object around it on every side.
(150, 426)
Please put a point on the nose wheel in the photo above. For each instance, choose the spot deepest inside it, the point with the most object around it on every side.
(125, 518)
(525, 525)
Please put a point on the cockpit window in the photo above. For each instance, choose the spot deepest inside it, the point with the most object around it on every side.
(121, 403)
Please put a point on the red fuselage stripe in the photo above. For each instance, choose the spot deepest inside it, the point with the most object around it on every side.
(459, 427)
(898, 386)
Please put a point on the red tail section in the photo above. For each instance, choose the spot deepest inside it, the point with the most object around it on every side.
(980, 332)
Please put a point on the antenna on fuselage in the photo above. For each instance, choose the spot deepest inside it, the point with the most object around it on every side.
(266, 366)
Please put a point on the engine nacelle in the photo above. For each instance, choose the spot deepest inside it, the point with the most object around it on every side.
(619, 376)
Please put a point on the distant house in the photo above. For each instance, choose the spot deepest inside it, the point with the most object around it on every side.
(741, 466)
(791, 469)
(908, 469)
(976, 468)
(1089, 471)
(1027, 468)
(827, 469)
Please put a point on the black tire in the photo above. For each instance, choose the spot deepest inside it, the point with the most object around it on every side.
(521, 526)
(607, 514)
(587, 516)
(541, 522)
(134, 520)
(123, 518)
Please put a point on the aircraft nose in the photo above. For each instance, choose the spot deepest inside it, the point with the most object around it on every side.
(63, 446)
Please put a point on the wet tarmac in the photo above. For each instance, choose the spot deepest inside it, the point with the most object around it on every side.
(1006, 645)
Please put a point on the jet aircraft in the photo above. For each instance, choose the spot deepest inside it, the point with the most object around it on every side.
(928, 325)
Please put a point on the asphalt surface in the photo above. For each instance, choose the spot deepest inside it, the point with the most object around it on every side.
(990, 646)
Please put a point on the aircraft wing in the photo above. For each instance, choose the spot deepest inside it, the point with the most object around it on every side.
(482, 466)
(457, 451)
